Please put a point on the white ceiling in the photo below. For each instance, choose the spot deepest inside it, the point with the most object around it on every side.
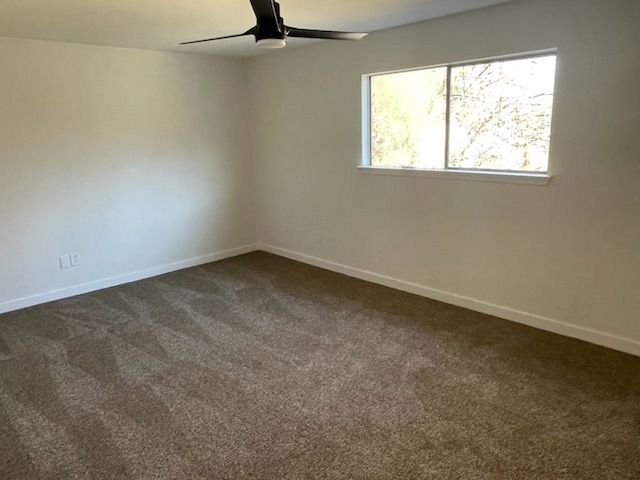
(163, 24)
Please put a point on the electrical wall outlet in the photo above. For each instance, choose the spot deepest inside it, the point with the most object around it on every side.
(70, 260)
(65, 261)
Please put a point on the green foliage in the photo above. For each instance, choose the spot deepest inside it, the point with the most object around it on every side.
(407, 118)
(500, 116)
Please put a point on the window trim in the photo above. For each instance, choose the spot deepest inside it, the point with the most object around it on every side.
(493, 176)
(498, 176)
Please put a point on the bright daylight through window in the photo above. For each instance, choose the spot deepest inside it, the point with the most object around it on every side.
(482, 116)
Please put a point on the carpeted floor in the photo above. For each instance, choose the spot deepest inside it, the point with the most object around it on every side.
(258, 367)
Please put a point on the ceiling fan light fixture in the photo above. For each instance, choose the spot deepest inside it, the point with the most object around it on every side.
(271, 42)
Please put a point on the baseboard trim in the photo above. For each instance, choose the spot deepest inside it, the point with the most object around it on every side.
(562, 328)
(53, 295)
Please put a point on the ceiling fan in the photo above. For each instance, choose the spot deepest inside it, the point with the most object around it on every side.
(271, 32)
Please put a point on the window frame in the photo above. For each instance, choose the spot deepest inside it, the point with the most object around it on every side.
(448, 173)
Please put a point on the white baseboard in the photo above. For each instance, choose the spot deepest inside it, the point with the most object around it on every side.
(593, 336)
(50, 296)
(562, 328)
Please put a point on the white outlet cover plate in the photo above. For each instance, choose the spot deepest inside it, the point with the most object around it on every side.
(65, 261)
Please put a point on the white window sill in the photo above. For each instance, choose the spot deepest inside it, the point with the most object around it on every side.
(468, 175)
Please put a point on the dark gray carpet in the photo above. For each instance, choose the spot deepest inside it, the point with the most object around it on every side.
(261, 367)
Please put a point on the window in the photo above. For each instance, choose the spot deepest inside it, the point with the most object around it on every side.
(486, 116)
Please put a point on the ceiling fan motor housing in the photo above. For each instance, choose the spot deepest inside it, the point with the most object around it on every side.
(268, 29)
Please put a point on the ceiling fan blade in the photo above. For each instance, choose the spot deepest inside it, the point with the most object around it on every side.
(264, 9)
(323, 34)
(269, 23)
(251, 31)
(267, 16)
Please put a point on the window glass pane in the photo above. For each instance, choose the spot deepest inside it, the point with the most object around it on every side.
(408, 118)
(500, 115)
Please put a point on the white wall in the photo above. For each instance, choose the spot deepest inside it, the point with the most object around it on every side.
(565, 257)
(133, 159)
